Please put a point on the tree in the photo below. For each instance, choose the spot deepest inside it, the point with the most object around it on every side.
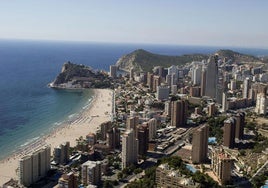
(119, 175)
(242, 152)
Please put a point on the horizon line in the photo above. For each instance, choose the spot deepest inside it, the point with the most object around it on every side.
(221, 47)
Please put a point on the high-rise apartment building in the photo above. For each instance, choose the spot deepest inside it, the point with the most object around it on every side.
(131, 74)
(233, 85)
(196, 75)
(143, 139)
(212, 77)
(61, 153)
(156, 82)
(113, 70)
(203, 81)
(129, 148)
(179, 113)
(168, 105)
(152, 125)
(229, 133)
(104, 129)
(261, 104)
(132, 123)
(246, 87)
(239, 125)
(224, 102)
(162, 92)
(168, 79)
(91, 173)
(113, 138)
(34, 166)
(200, 144)
(150, 81)
(67, 181)
(211, 109)
(222, 165)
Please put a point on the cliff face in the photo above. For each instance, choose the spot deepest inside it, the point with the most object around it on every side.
(70, 70)
(80, 76)
(141, 60)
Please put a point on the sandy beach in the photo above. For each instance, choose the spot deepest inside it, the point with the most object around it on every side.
(88, 121)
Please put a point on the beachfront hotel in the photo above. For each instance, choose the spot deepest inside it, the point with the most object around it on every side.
(35, 166)
(61, 153)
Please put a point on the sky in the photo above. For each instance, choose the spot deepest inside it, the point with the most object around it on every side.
(241, 23)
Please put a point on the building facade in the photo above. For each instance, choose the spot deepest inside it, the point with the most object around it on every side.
(61, 153)
(162, 92)
(91, 173)
(229, 133)
(113, 70)
(222, 165)
(179, 113)
(261, 104)
(212, 78)
(129, 148)
(35, 166)
(200, 144)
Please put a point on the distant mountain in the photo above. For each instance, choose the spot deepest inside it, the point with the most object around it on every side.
(141, 60)
(237, 57)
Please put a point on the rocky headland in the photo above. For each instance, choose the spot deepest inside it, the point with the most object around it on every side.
(74, 76)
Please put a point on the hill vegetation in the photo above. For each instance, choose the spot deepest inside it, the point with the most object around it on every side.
(141, 60)
(237, 57)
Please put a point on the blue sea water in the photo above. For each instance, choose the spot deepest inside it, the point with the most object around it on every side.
(29, 109)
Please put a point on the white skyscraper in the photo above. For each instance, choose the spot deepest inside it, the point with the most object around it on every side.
(34, 166)
(261, 104)
(246, 87)
(173, 71)
(196, 75)
(152, 125)
(224, 102)
(129, 148)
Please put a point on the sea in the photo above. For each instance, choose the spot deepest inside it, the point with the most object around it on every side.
(30, 110)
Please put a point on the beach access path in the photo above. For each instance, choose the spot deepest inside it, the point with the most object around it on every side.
(99, 111)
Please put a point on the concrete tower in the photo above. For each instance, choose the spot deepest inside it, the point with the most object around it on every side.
(200, 144)
(129, 148)
(229, 133)
(212, 77)
(179, 113)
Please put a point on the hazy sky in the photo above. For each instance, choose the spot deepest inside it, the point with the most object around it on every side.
(241, 23)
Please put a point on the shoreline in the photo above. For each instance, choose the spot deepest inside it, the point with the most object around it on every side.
(88, 120)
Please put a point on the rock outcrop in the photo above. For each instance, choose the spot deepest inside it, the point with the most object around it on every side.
(79, 76)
